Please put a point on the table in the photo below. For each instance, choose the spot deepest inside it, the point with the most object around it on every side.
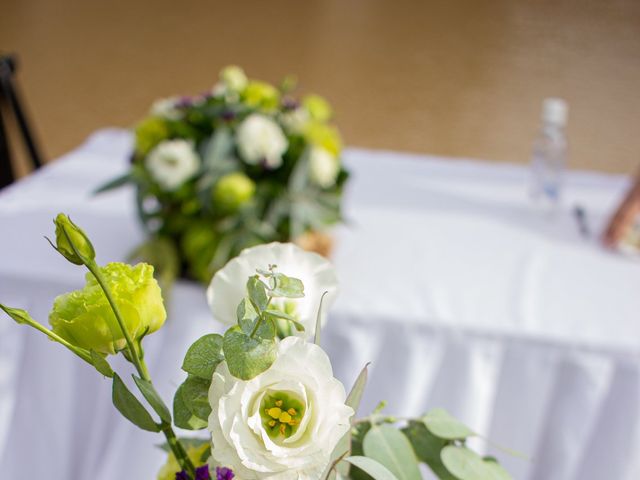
(461, 293)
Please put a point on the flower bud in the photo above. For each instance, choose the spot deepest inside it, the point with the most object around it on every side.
(85, 319)
(234, 78)
(318, 108)
(232, 191)
(68, 234)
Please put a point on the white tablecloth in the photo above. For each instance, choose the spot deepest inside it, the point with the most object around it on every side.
(461, 293)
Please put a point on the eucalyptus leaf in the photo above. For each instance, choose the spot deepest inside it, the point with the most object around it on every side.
(287, 287)
(101, 364)
(358, 432)
(355, 395)
(130, 407)
(465, 464)
(247, 318)
(375, 469)
(203, 356)
(195, 394)
(182, 416)
(388, 446)
(257, 291)
(427, 448)
(444, 425)
(247, 357)
(151, 395)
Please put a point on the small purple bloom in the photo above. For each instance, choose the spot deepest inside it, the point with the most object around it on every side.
(228, 115)
(289, 103)
(182, 475)
(224, 473)
(184, 102)
(202, 473)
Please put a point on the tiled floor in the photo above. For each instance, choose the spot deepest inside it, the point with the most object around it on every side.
(460, 78)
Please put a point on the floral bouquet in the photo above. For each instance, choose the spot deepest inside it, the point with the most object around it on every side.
(242, 165)
(264, 390)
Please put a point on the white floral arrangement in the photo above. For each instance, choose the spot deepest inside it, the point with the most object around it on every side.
(246, 163)
(264, 390)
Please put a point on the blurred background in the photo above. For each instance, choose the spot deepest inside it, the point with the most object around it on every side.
(460, 78)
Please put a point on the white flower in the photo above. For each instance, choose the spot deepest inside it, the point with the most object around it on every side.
(166, 108)
(228, 286)
(234, 78)
(323, 167)
(295, 120)
(260, 139)
(172, 163)
(282, 424)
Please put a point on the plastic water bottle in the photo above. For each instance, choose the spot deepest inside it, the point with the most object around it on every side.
(549, 156)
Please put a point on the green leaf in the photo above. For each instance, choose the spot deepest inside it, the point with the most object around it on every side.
(203, 356)
(182, 416)
(465, 464)
(195, 394)
(247, 318)
(427, 448)
(443, 425)
(355, 395)
(391, 448)
(101, 364)
(151, 395)
(287, 287)
(247, 357)
(115, 183)
(358, 432)
(130, 407)
(372, 467)
(287, 317)
(257, 293)
(316, 337)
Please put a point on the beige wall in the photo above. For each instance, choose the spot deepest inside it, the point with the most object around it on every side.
(462, 78)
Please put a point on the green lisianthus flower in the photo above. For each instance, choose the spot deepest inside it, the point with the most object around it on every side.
(149, 133)
(323, 135)
(85, 319)
(232, 191)
(261, 95)
(318, 108)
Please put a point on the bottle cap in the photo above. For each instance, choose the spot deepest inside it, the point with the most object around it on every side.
(555, 111)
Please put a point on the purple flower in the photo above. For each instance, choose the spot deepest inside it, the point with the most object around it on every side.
(224, 473)
(182, 475)
(202, 473)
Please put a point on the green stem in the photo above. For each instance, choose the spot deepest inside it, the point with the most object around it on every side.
(260, 318)
(177, 449)
(83, 354)
(133, 354)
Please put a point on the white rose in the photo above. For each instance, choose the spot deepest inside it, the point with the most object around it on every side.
(166, 108)
(172, 163)
(295, 120)
(282, 424)
(228, 286)
(323, 167)
(260, 139)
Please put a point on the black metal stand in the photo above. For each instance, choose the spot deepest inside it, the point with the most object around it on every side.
(10, 105)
